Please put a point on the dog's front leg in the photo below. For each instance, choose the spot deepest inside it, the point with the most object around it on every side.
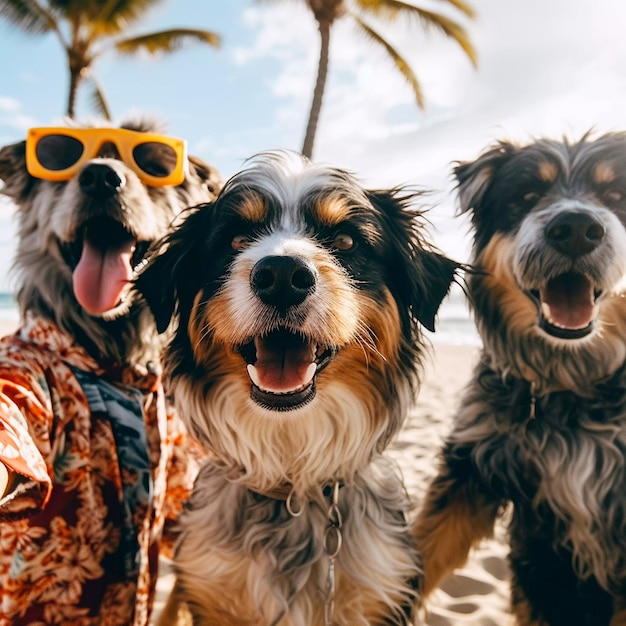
(619, 612)
(454, 516)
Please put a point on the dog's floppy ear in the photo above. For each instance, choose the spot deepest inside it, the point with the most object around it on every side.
(474, 177)
(17, 181)
(420, 275)
(170, 269)
(157, 286)
(439, 272)
(209, 176)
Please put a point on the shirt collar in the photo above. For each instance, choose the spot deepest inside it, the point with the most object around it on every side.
(44, 333)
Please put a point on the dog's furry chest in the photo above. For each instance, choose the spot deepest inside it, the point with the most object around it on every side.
(562, 466)
(238, 543)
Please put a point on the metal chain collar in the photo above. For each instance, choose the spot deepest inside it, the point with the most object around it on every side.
(333, 540)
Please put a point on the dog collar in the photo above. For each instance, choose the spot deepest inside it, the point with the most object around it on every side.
(286, 493)
(281, 492)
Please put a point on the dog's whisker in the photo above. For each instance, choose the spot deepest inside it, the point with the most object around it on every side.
(205, 332)
(367, 340)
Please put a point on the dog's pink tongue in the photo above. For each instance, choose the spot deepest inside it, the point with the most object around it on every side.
(568, 301)
(101, 276)
(283, 365)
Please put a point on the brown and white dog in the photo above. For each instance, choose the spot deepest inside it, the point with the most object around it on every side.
(299, 297)
(543, 422)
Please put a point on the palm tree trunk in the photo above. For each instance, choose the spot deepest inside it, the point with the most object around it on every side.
(75, 78)
(318, 92)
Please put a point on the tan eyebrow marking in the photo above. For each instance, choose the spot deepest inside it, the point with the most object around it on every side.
(332, 210)
(335, 210)
(547, 171)
(252, 208)
(604, 173)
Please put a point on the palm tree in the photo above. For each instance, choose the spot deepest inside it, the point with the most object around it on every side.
(87, 29)
(327, 12)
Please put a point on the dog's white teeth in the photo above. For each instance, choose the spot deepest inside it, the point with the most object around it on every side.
(256, 379)
(140, 266)
(254, 376)
(545, 312)
(310, 373)
(547, 315)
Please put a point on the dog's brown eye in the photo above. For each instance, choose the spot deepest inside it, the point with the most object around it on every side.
(613, 195)
(343, 241)
(240, 242)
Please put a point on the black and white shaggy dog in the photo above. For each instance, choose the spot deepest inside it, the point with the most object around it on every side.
(299, 298)
(543, 422)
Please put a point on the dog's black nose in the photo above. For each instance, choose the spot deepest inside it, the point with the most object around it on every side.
(282, 281)
(575, 232)
(99, 181)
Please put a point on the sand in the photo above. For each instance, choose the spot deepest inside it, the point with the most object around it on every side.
(477, 593)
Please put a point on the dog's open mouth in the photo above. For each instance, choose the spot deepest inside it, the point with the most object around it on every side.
(282, 366)
(568, 306)
(107, 254)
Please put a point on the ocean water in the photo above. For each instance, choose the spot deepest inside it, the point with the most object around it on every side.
(8, 308)
(454, 324)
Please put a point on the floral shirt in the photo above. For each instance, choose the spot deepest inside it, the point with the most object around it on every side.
(100, 469)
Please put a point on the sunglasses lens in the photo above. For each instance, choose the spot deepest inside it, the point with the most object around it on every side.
(156, 159)
(58, 152)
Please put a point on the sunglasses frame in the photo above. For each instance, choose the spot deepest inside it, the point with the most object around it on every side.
(92, 139)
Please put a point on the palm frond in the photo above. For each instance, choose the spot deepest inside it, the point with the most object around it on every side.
(400, 63)
(463, 7)
(392, 9)
(167, 41)
(102, 18)
(374, 6)
(98, 99)
(27, 15)
(111, 17)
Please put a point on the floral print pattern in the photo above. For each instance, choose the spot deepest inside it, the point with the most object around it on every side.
(64, 522)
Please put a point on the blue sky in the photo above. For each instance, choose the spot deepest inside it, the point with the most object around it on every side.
(554, 67)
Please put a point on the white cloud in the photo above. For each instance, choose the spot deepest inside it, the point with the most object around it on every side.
(545, 68)
(278, 32)
(11, 114)
(9, 105)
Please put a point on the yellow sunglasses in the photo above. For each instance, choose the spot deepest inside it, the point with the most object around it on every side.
(58, 153)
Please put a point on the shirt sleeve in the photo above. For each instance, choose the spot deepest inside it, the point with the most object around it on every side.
(25, 418)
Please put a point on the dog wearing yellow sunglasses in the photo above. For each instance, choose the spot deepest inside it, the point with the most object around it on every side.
(93, 465)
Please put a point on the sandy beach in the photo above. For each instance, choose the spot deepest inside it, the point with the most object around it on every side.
(477, 593)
